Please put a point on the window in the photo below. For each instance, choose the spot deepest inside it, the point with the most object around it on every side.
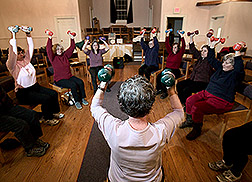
(121, 9)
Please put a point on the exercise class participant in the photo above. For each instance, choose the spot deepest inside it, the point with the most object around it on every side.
(173, 61)
(220, 92)
(151, 60)
(136, 144)
(28, 90)
(62, 71)
(25, 125)
(96, 59)
(235, 153)
(199, 79)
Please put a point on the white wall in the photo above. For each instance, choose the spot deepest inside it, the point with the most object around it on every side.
(84, 6)
(193, 18)
(238, 23)
(39, 14)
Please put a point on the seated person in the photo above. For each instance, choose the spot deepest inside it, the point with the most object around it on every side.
(151, 61)
(136, 144)
(236, 148)
(28, 90)
(173, 62)
(220, 93)
(25, 125)
(62, 71)
(95, 59)
(199, 79)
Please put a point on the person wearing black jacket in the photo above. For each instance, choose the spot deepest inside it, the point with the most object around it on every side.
(24, 123)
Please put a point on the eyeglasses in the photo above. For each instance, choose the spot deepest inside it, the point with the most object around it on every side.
(21, 52)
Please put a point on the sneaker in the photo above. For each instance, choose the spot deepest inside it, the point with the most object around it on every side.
(219, 165)
(228, 176)
(43, 144)
(163, 95)
(36, 152)
(51, 122)
(84, 102)
(78, 105)
(58, 115)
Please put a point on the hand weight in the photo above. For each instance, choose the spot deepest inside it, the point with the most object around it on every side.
(105, 74)
(167, 78)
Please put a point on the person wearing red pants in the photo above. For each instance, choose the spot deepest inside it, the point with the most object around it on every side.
(220, 92)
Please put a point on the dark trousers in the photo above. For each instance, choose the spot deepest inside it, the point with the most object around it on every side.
(24, 123)
(37, 94)
(146, 70)
(160, 85)
(94, 72)
(76, 85)
(187, 87)
(237, 146)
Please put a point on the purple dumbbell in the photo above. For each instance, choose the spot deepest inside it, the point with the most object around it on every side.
(87, 37)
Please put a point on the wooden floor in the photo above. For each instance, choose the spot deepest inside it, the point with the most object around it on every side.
(182, 160)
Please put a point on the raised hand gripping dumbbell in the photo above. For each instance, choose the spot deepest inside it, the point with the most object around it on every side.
(14, 29)
(26, 29)
(181, 32)
(239, 46)
(142, 31)
(167, 78)
(196, 32)
(222, 40)
(154, 30)
(71, 34)
(169, 30)
(49, 32)
(102, 38)
(105, 74)
(210, 33)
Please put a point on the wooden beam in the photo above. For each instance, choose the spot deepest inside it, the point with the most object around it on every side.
(214, 3)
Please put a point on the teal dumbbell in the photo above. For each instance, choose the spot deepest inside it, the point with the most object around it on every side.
(14, 29)
(167, 78)
(105, 74)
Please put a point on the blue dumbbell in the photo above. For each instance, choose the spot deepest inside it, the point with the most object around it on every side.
(169, 30)
(102, 38)
(180, 31)
(105, 74)
(167, 78)
(14, 29)
(87, 37)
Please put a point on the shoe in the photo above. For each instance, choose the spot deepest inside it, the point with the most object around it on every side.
(36, 152)
(78, 105)
(219, 165)
(188, 122)
(108, 90)
(41, 143)
(58, 115)
(228, 176)
(51, 122)
(84, 102)
(196, 131)
(158, 92)
(163, 95)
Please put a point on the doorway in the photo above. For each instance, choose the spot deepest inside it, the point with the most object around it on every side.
(176, 24)
(63, 24)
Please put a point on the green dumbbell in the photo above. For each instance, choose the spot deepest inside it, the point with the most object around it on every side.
(105, 74)
(167, 78)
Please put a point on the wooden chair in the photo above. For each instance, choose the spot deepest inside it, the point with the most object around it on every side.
(238, 108)
(2, 159)
(187, 61)
(248, 72)
(76, 65)
(61, 91)
(84, 58)
(40, 65)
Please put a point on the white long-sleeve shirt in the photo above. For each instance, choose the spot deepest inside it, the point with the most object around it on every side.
(135, 155)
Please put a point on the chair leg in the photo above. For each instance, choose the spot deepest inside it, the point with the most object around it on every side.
(224, 125)
(2, 160)
(248, 115)
(154, 82)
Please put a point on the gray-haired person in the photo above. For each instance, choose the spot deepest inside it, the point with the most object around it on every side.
(136, 144)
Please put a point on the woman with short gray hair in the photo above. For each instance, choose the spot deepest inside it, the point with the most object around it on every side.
(136, 144)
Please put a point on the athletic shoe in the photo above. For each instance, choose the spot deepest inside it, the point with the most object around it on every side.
(43, 144)
(228, 176)
(78, 105)
(51, 122)
(219, 165)
(36, 152)
(58, 115)
(84, 102)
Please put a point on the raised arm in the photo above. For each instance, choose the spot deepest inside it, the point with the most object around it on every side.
(167, 43)
(70, 50)
(106, 45)
(30, 45)
(215, 63)
(49, 49)
(12, 56)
